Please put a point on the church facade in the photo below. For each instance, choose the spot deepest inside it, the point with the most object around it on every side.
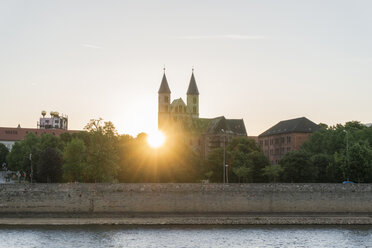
(182, 118)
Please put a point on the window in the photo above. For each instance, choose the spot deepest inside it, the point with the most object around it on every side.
(194, 100)
(288, 149)
(11, 132)
(180, 109)
(282, 140)
(288, 139)
(266, 142)
(166, 99)
(194, 109)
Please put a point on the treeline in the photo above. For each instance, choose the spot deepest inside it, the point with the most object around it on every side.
(333, 154)
(101, 155)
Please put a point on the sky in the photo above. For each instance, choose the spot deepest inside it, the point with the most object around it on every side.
(263, 60)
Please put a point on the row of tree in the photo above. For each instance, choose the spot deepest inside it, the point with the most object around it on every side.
(333, 154)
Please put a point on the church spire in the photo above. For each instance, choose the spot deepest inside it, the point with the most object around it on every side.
(164, 87)
(193, 89)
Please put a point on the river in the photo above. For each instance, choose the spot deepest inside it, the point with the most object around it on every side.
(185, 236)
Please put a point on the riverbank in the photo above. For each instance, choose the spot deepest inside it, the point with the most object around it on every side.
(249, 219)
(194, 204)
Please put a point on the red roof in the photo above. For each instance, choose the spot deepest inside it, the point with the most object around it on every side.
(17, 134)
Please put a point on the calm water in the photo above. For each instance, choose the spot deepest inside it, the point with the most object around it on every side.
(186, 236)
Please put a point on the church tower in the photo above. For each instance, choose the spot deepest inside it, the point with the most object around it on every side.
(164, 94)
(193, 97)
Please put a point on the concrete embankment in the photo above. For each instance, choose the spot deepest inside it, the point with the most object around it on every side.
(185, 204)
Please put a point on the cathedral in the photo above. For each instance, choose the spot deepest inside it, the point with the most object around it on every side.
(202, 134)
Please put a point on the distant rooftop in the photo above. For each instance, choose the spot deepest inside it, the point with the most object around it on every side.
(298, 125)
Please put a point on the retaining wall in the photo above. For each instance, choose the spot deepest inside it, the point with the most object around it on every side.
(185, 198)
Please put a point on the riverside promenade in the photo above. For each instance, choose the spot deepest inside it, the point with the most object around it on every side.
(187, 204)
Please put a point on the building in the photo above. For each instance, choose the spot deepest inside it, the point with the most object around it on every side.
(182, 119)
(55, 121)
(54, 125)
(285, 136)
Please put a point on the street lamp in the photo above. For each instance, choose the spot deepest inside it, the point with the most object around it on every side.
(31, 174)
(227, 173)
(347, 149)
(224, 156)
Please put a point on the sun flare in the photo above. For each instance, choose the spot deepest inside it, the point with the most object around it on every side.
(156, 139)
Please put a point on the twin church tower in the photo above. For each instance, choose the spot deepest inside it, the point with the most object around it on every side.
(177, 111)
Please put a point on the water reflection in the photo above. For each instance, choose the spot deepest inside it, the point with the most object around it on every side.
(186, 236)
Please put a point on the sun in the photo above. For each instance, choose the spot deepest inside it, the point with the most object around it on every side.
(155, 139)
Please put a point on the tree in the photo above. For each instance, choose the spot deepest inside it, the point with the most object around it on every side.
(242, 173)
(3, 153)
(19, 157)
(273, 172)
(102, 152)
(357, 166)
(74, 156)
(322, 162)
(49, 168)
(245, 153)
(297, 167)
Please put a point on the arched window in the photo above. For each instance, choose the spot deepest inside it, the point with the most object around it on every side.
(194, 109)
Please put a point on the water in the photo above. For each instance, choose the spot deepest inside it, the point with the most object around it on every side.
(185, 236)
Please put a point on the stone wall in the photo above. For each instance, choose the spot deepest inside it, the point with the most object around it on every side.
(185, 198)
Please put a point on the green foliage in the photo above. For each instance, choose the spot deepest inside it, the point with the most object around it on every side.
(3, 153)
(49, 167)
(297, 168)
(213, 165)
(244, 158)
(74, 156)
(242, 173)
(273, 172)
(341, 152)
(174, 162)
(358, 164)
(18, 158)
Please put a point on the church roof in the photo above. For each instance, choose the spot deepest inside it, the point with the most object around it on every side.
(235, 126)
(164, 87)
(178, 101)
(298, 125)
(193, 89)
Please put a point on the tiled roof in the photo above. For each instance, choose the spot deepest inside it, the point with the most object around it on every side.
(178, 101)
(193, 89)
(17, 134)
(235, 126)
(298, 125)
(164, 87)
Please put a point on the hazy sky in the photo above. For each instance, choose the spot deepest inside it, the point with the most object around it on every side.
(263, 61)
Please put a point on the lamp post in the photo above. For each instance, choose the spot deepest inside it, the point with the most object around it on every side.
(227, 173)
(31, 174)
(347, 149)
(224, 156)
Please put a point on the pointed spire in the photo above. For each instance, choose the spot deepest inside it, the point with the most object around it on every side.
(164, 87)
(193, 89)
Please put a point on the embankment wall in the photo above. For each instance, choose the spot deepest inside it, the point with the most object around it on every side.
(185, 198)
